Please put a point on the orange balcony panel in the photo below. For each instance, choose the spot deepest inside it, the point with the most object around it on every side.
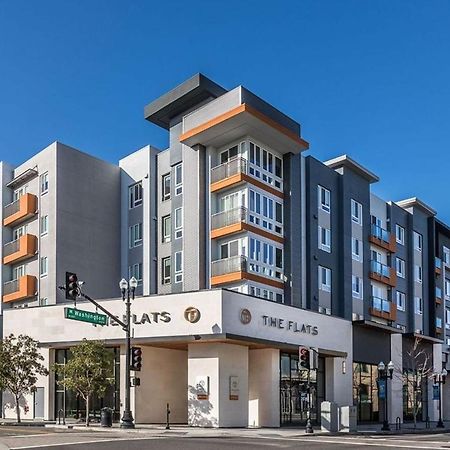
(24, 288)
(438, 301)
(25, 247)
(390, 246)
(438, 270)
(21, 210)
(391, 316)
(391, 280)
(438, 330)
(239, 276)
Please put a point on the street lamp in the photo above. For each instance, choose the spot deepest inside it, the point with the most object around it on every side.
(385, 374)
(127, 289)
(439, 379)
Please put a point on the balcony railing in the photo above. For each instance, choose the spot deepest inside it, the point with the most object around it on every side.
(233, 167)
(381, 304)
(229, 217)
(10, 287)
(20, 249)
(21, 209)
(12, 208)
(22, 288)
(380, 233)
(11, 247)
(229, 265)
(439, 293)
(437, 263)
(380, 269)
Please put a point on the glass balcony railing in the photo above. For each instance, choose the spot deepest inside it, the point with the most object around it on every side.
(229, 217)
(380, 269)
(438, 263)
(438, 293)
(438, 322)
(380, 233)
(228, 169)
(229, 265)
(381, 304)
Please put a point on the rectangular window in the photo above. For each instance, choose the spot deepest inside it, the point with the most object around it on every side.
(178, 179)
(325, 239)
(135, 195)
(166, 187)
(324, 199)
(135, 235)
(447, 316)
(418, 241)
(19, 271)
(438, 322)
(278, 258)
(356, 249)
(19, 231)
(356, 212)
(278, 212)
(44, 266)
(400, 266)
(418, 273)
(447, 288)
(166, 228)
(357, 285)
(399, 234)
(44, 183)
(44, 225)
(135, 271)
(165, 270)
(278, 167)
(19, 192)
(178, 223)
(178, 267)
(418, 305)
(324, 279)
(401, 300)
(446, 253)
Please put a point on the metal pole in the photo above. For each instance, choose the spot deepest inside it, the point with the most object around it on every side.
(309, 428)
(385, 427)
(440, 424)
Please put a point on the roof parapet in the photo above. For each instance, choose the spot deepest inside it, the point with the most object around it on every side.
(414, 202)
(346, 161)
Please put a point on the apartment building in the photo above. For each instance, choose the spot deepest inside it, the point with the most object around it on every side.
(270, 248)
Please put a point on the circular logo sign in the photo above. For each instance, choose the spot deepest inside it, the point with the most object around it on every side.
(245, 316)
(192, 314)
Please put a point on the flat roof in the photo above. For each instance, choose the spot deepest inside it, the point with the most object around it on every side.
(417, 203)
(346, 161)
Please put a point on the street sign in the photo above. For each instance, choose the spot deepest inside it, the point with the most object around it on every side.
(85, 316)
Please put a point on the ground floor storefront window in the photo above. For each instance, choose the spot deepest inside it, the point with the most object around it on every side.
(294, 395)
(72, 405)
(365, 392)
(415, 395)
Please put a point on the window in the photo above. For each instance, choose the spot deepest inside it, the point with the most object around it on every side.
(418, 273)
(438, 322)
(135, 235)
(447, 316)
(447, 287)
(324, 279)
(356, 249)
(178, 267)
(178, 223)
(18, 232)
(230, 249)
(446, 252)
(401, 300)
(324, 199)
(179, 179)
(19, 192)
(418, 305)
(356, 212)
(325, 239)
(44, 266)
(166, 187)
(44, 225)
(357, 287)
(417, 241)
(19, 271)
(135, 195)
(165, 269)
(44, 183)
(399, 234)
(231, 153)
(135, 271)
(265, 165)
(166, 228)
(400, 266)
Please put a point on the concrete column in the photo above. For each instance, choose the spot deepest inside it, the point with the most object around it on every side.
(433, 405)
(214, 364)
(264, 388)
(395, 386)
(338, 385)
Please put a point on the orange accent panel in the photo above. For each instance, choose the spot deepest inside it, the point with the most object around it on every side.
(27, 249)
(438, 301)
(438, 330)
(390, 246)
(241, 226)
(263, 280)
(438, 270)
(27, 208)
(390, 281)
(239, 110)
(383, 314)
(27, 289)
(238, 276)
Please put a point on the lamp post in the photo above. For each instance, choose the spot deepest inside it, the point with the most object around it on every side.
(128, 289)
(439, 379)
(385, 374)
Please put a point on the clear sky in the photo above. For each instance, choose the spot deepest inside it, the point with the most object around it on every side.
(370, 78)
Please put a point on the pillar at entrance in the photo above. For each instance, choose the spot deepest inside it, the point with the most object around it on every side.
(338, 385)
(217, 385)
(395, 386)
(264, 388)
(433, 408)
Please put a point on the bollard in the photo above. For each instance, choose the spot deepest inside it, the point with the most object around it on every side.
(167, 417)
(398, 424)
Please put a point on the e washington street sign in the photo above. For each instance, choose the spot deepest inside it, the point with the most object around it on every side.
(85, 316)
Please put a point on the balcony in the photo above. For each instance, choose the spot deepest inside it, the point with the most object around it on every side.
(235, 269)
(383, 273)
(437, 266)
(20, 210)
(20, 289)
(23, 248)
(383, 308)
(382, 238)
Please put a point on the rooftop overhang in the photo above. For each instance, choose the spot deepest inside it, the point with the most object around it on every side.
(351, 164)
(415, 202)
(22, 178)
(378, 326)
(240, 121)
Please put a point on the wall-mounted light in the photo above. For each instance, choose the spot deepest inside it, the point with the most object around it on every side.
(344, 367)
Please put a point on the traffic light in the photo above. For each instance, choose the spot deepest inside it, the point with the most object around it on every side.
(304, 358)
(71, 286)
(136, 358)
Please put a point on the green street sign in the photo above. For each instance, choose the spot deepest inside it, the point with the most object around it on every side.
(85, 316)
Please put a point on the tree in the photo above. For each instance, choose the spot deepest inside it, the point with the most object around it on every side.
(89, 371)
(20, 366)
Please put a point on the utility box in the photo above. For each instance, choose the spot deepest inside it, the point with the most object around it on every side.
(347, 419)
(329, 413)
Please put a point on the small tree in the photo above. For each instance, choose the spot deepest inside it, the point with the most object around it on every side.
(20, 365)
(89, 371)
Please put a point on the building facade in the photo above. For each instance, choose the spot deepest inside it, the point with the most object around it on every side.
(270, 248)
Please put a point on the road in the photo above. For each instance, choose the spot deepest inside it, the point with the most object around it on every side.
(21, 438)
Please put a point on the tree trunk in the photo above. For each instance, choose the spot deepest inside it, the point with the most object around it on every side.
(87, 410)
(17, 408)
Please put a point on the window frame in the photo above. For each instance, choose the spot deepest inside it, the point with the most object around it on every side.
(358, 218)
(133, 200)
(326, 247)
(42, 177)
(166, 195)
(42, 231)
(401, 304)
(138, 275)
(166, 279)
(178, 228)
(132, 241)
(399, 262)
(418, 273)
(357, 256)
(178, 278)
(418, 241)
(325, 286)
(399, 237)
(357, 281)
(178, 171)
(43, 274)
(418, 305)
(326, 196)
(166, 220)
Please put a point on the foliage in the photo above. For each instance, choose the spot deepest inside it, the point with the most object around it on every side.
(20, 366)
(88, 371)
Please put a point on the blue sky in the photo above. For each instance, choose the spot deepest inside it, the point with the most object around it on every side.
(370, 78)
